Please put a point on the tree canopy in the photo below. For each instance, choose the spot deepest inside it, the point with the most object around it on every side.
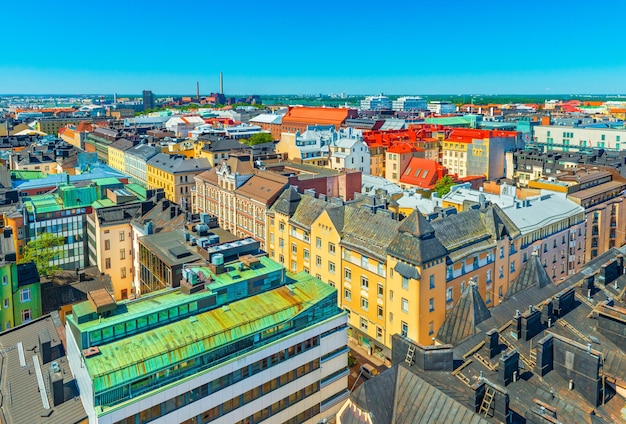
(259, 138)
(42, 251)
(442, 187)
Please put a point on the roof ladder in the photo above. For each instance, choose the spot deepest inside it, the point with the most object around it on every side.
(487, 404)
(409, 355)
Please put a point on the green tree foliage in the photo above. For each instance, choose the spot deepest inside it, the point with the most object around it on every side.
(42, 250)
(442, 187)
(259, 138)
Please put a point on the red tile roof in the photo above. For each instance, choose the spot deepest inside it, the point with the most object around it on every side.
(423, 173)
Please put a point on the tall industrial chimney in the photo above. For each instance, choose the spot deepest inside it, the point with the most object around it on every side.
(221, 83)
(197, 91)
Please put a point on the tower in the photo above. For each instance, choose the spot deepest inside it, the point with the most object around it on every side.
(221, 83)
(197, 91)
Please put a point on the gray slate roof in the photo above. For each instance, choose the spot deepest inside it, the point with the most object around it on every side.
(399, 396)
(287, 202)
(469, 311)
(415, 241)
(532, 274)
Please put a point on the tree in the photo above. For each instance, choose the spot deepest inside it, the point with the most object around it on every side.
(259, 138)
(442, 187)
(42, 251)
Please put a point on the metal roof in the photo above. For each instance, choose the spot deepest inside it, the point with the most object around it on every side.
(131, 358)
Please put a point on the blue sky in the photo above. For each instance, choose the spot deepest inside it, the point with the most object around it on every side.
(301, 47)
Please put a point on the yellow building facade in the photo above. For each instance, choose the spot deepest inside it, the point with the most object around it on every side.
(394, 277)
(175, 175)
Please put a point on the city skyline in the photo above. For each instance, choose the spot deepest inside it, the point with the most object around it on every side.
(335, 48)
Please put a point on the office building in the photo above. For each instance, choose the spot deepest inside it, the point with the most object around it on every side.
(148, 100)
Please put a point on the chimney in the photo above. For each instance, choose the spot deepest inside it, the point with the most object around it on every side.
(509, 364)
(197, 91)
(545, 355)
(45, 348)
(492, 342)
(588, 284)
(56, 380)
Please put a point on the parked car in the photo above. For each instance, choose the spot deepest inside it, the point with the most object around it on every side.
(368, 371)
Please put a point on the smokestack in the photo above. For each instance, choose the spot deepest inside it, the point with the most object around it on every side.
(114, 98)
(197, 91)
(221, 83)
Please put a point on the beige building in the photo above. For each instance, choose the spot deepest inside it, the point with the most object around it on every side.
(110, 245)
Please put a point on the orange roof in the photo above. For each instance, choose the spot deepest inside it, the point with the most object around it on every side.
(423, 173)
(84, 126)
(403, 148)
(316, 115)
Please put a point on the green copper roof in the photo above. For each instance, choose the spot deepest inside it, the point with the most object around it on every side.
(77, 196)
(44, 203)
(106, 181)
(27, 175)
(137, 189)
(103, 203)
(143, 354)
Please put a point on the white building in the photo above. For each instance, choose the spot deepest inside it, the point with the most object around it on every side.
(182, 125)
(574, 139)
(409, 104)
(376, 103)
(350, 152)
(222, 349)
(441, 107)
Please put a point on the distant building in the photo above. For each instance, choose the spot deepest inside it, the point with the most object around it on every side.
(407, 104)
(261, 343)
(350, 152)
(441, 107)
(376, 103)
(148, 100)
(299, 118)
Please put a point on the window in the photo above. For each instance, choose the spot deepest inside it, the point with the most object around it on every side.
(122, 253)
(512, 266)
(123, 272)
(431, 304)
(405, 305)
(364, 262)
(281, 259)
(318, 261)
(347, 274)
(331, 267)
(405, 283)
(501, 252)
(281, 242)
(488, 298)
(431, 328)
(122, 235)
(281, 226)
(501, 272)
(318, 242)
(294, 248)
(364, 282)
(363, 324)
(390, 294)
(331, 248)
(306, 254)
(26, 315)
(405, 329)
(381, 290)
(5, 280)
(107, 245)
(107, 263)
(500, 292)
(379, 312)
(347, 294)
(294, 266)
(379, 333)
(449, 295)
(432, 281)
(25, 295)
(364, 304)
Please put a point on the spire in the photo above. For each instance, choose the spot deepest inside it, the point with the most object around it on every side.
(532, 274)
(469, 311)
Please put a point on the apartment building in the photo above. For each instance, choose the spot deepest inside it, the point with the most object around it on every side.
(262, 344)
(175, 175)
(398, 157)
(299, 118)
(117, 152)
(576, 138)
(394, 277)
(136, 162)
